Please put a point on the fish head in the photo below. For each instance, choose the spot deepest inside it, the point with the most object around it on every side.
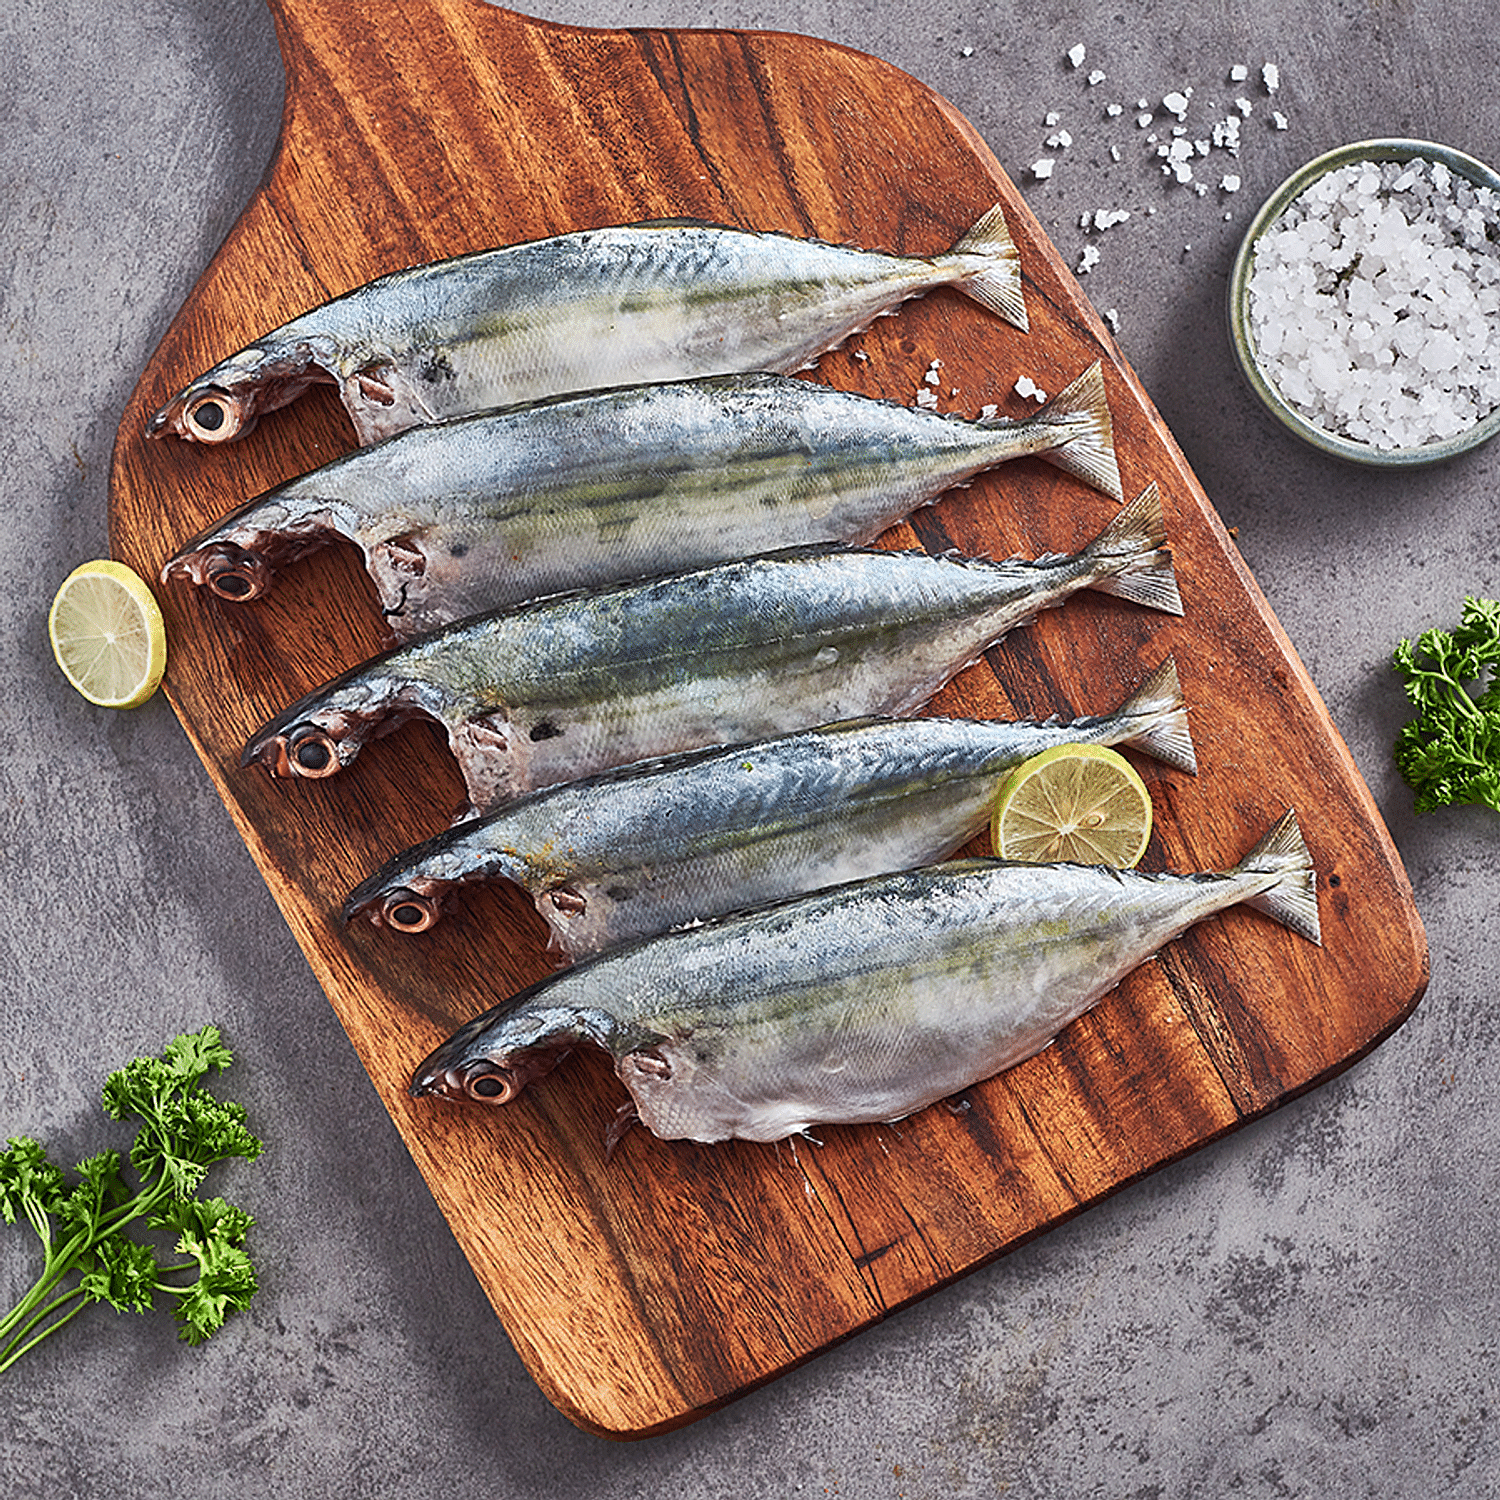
(238, 556)
(322, 733)
(409, 903)
(494, 1057)
(225, 402)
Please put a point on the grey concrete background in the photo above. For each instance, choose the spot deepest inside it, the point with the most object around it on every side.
(1309, 1308)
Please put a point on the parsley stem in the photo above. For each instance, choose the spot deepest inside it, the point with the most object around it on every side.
(15, 1348)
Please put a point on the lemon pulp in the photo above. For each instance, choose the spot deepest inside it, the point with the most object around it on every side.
(1083, 804)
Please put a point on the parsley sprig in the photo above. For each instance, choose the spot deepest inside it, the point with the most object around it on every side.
(1450, 753)
(88, 1254)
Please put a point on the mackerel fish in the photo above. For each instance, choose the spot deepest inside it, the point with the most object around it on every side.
(600, 307)
(638, 850)
(860, 1004)
(571, 684)
(488, 511)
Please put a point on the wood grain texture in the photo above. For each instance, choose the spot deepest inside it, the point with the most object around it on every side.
(648, 1290)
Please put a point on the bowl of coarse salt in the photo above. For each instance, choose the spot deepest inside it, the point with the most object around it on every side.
(1364, 303)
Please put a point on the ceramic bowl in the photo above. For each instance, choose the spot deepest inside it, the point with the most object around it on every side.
(1260, 377)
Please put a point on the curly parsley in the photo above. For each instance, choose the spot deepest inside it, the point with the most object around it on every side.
(1450, 753)
(88, 1254)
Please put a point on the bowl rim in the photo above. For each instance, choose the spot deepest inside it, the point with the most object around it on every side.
(1380, 148)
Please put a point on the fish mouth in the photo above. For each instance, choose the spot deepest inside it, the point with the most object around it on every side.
(212, 414)
(481, 1080)
(402, 908)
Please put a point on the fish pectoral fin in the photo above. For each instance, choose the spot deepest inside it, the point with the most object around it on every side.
(404, 555)
(619, 1128)
(376, 384)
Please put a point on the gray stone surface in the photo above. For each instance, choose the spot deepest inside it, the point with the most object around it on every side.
(1310, 1307)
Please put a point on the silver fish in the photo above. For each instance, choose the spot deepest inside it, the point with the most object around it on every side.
(863, 1003)
(578, 491)
(572, 684)
(638, 850)
(601, 307)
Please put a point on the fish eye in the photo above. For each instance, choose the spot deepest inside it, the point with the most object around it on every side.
(234, 574)
(489, 1083)
(214, 417)
(406, 910)
(311, 752)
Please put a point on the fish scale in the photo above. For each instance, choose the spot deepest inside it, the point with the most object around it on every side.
(569, 685)
(601, 307)
(491, 510)
(862, 1003)
(647, 847)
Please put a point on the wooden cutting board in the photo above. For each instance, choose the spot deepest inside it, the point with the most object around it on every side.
(645, 1291)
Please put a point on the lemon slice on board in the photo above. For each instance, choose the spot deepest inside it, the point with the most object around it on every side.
(107, 634)
(1081, 803)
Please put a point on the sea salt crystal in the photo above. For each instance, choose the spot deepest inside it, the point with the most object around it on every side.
(1042, 168)
(927, 398)
(1096, 77)
(1374, 301)
(1027, 387)
(1176, 103)
(1270, 77)
(1238, 73)
(1076, 55)
(1088, 260)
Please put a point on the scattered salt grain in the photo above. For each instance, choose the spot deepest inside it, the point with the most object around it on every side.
(927, 398)
(1059, 140)
(1374, 303)
(1230, 182)
(1042, 168)
(1027, 387)
(1088, 260)
(932, 377)
(1278, 119)
(1238, 73)
(1270, 77)
(1177, 103)
(1076, 55)
(1096, 77)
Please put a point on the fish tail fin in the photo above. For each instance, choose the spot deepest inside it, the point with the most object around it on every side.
(997, 284)
(1293, 897)
(1086, 441)
(1133, 558)
(1154, 719)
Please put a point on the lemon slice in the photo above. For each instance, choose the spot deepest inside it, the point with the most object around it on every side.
(1081, 803)
(107, 634)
